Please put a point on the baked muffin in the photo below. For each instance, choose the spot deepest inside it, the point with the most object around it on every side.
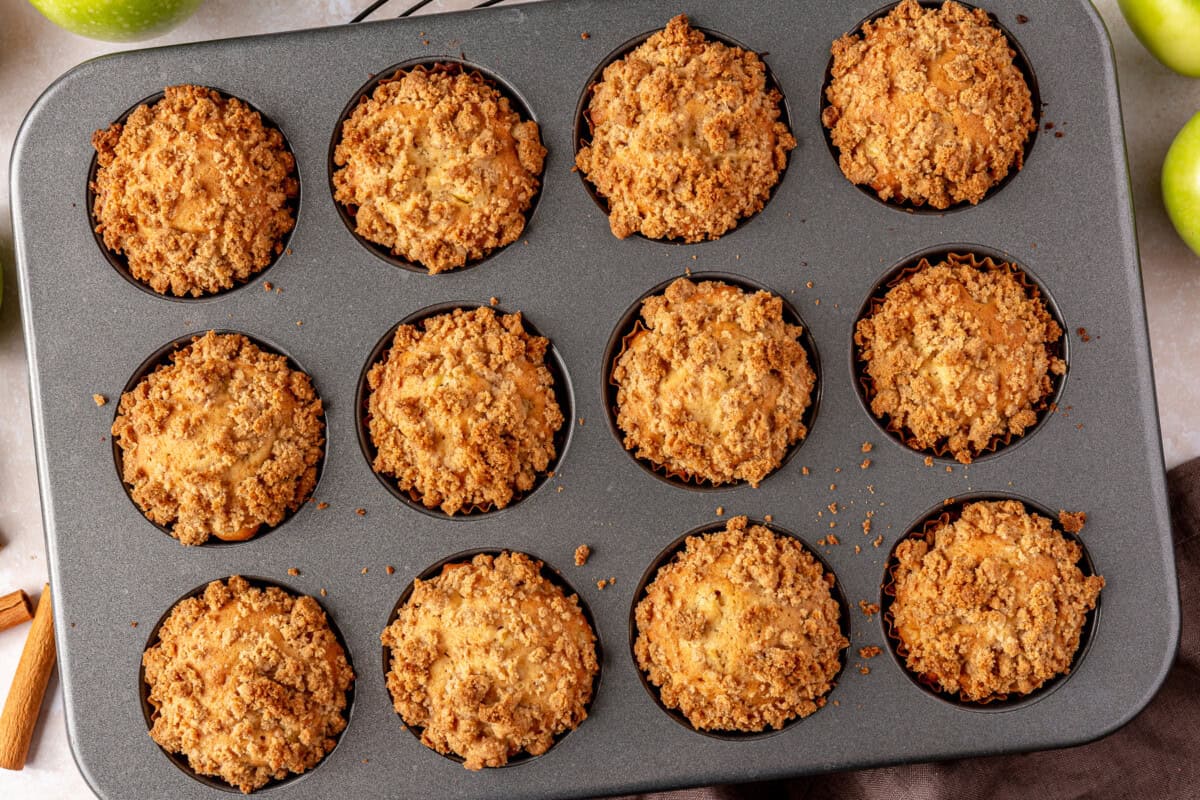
(740, 631)
(221, 441)
(437, 167)
(959, 356)
(992, 604)
(462, 411)
(248, 684)
(194, 191)
(927, 107)
(686, 138)
(489, 659)
(712, 383)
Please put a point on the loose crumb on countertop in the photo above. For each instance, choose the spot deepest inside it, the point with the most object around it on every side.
(99, 399)
(293, 571)
(1072, 522)
(869, 609)
(870, 651)
(581, 554)
(389, 569)
(867, 447)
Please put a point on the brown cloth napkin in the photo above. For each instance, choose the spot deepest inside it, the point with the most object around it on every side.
(1157, 755)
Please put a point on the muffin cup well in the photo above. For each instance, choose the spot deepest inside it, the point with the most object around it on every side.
(583, 127)
(982, 258)
(935, 518)
(669, 554)
(451, 66)
(630, 324)
(547, 571)
(1020, 61)
(120, 262)
(162, 357)
(178, 759)
(563, 394)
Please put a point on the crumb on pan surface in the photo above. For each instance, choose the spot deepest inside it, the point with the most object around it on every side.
(490, 659)
(249, 684)
(959, 355)
(993, 603)
(222, 440)
(194, 191)
(437, 167)
(463, 412)
(741, 632)
(927, 106)
(714, 383)
(686, 137)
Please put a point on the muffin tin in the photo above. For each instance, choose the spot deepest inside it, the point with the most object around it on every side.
(1066, 218)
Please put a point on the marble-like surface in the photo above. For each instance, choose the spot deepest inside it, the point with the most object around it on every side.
(33, 52)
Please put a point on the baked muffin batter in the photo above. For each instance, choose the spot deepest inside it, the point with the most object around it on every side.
(992, 604)
(221, 441)
(195, 191)
(686, 138)
(740, 631)
(490, 659)
(927, 107)
(462, 412)
(713, 384)
(959, 356)
(249, 684)
(437, 167)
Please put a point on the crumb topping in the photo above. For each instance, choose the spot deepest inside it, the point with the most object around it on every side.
(490, 659)
(463, 412)
(221, 441)
(438, 167)
(686, 137)
(249, 684)
(713, 384)
(958, 354)
(195, 191)
(927, 106)
(741, 632)
(993, 603)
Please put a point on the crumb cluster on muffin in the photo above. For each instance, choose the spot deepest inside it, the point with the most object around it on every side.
(249, 684)
(462, 410)
(960, 355)
(741, 631)
(992, 604)
(686, 137)
(194, 191)
(713, 383)
(927, 107)
(491, 659)
(224, 439)
(438, 167)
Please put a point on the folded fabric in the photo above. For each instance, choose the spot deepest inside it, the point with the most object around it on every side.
(1154, 756)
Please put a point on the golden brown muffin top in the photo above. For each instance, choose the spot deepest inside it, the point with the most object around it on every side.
(463, 412)
(686, 137)
(740, 631)
(249, 684)
(992, 604)
(438, 167)
(958, 354)
(194, 190)
(490, 659)
(713, 384)
(221, 441)
(926, 106)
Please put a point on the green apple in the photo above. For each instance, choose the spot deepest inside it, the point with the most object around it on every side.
(1170, 29)
(1181, 183)
(117, 20)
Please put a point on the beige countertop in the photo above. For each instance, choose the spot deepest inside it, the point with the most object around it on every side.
(33, 53)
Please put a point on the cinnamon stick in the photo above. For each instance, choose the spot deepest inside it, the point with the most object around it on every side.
(28, 687)
(14, 609)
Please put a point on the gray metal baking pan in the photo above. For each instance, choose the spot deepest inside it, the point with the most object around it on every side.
(1066, 218)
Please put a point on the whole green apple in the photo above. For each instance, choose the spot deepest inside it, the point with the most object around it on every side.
(117, 20)
(1181, 183)
(1170, 29)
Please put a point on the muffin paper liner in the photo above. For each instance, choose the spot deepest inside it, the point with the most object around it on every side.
(940, 449)
(927, 530)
